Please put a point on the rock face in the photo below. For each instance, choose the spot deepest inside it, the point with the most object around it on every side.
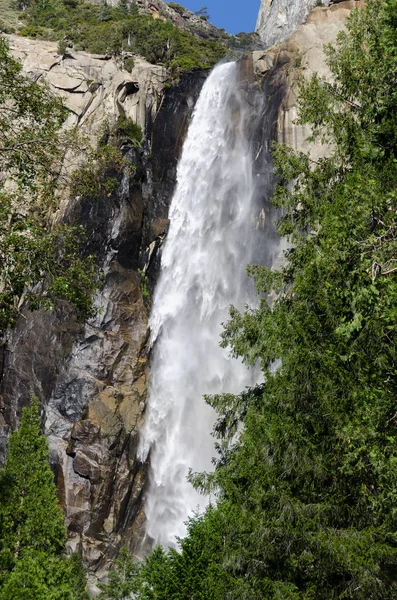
(94, 87)
(300, 54)
(279, 18)
(91, 378)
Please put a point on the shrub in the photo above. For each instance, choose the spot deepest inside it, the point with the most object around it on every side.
(126, 127)
(177, 7)
(32, 31)
(129, 64)
(98, 176)
(4, 28)
(62, 47)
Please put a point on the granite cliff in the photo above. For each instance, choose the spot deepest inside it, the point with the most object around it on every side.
(279, 18)
(92, 378)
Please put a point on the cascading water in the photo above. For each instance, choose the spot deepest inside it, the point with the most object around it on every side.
(209, 243)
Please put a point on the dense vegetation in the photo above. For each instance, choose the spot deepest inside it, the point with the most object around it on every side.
(38, 263)
(33, 563)
(105, 29)
(307, 493)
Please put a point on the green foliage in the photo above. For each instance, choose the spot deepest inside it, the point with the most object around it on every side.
(307, 492)
(33, 565)
(122, 579)
(144, 283)
(127, 128)
(9, 16)
(244, 41)
(99, 174)
(129, 64)
(30, 119)
(62, 47)
(192, 573)
(33, 31)
(177, 7)
(40, 266)
(106, 29)
(4, 28)
(38, 263)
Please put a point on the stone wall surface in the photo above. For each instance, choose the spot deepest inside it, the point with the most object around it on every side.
(299, 54)
(92, 378)
(94, 87)
(279, 18)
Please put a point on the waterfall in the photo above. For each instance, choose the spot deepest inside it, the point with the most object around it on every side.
(209, 243)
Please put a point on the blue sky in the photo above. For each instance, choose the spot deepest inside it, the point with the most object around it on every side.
(232, 15)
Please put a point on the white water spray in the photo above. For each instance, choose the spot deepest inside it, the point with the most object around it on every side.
(202, 273)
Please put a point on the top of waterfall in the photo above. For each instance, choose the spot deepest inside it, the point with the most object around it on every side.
(278, 18)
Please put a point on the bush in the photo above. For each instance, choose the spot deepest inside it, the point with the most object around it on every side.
(99, 175)
(62, 47)
(32, 31)
(177, 8)
(4, 28)
(129, 64)
(126, 127)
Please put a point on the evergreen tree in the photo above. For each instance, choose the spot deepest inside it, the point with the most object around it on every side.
(105, 13)
(33, 564)
(122, 578)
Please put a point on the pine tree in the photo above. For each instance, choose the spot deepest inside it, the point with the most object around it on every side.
(33, 563)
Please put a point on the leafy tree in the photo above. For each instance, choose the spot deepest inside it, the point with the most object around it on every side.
(33, 564)
(38, 263)
(307, 491)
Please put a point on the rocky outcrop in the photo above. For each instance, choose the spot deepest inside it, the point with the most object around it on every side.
(94, 87)
(300, 54)
(279, 18)
(180, 16)
(91, 378)
(183, 18)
